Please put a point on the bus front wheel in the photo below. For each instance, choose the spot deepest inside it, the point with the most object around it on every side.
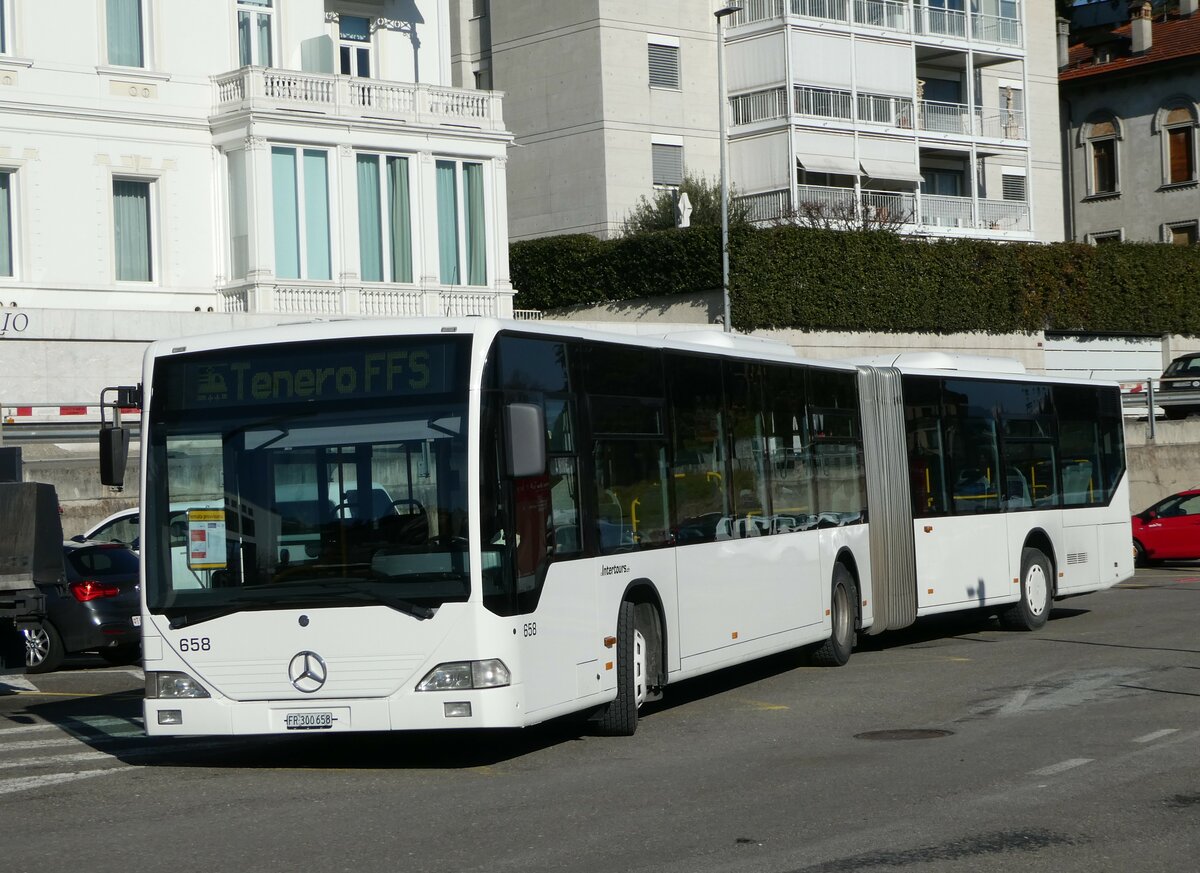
(620, 718)
(835, 651)
(1037, 580)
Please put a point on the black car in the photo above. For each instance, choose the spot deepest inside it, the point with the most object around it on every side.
(1179, 387)
(94, 608)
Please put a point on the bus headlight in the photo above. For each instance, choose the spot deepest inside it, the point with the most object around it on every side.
(465, 675)
(173, 686)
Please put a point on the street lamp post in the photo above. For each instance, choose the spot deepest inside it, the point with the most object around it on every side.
(721, 14)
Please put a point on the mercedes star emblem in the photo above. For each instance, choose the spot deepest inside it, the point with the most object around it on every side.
(307, 672)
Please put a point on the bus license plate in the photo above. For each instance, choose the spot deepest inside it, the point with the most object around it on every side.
(308, 721)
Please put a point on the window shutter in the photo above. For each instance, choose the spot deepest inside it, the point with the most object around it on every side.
(1179, 144)
(1014, 187)
(667, 164)
(664, 66)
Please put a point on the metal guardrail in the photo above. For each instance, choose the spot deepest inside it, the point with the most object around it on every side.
(57, 432)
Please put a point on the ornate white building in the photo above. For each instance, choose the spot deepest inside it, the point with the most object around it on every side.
(246, 156)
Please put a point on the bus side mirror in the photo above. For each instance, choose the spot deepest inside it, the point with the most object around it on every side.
(526, 426)
(114, 455)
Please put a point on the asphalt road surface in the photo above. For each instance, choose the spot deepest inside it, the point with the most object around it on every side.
(951, 746)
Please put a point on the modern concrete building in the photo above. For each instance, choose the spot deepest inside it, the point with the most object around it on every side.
(928, 116)
(246, 156)
(1130, 92)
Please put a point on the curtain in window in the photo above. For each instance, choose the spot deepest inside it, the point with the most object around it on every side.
(475, 237)
(131, 222)
(447, 210)
(400, 219)
(370, 220)
(264, 40)
(6, 263)
(124, 20)
(316, 214)
(287, 213)
(245, 47)
(239, 252)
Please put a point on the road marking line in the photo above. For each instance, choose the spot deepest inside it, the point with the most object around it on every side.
(1157, 735)
(19, 682)
(1062, 766)
(26, 728)
(57, 759)
(27, 783)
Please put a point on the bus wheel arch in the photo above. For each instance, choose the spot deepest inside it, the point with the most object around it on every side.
(1037, 579)
(639, 659)
(845, 614)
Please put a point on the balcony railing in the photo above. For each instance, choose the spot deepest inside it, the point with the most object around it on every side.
(758, 106)
(1005, 124)
(889, 15)
(840, 207)
(331, 298)
(885, 109)
(822, 102)
(266, 88)
(940, 117)
(886, 14)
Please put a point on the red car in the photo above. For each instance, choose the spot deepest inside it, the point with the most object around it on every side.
(1168, 530)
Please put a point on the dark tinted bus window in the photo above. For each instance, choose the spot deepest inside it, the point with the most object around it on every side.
(622, 370)
(793, 500)
(837, 446)
(1091, 438)
(632, 510)
(926, 450)
(698, 448)
(532, 364)
(747, 452)
(972, 446)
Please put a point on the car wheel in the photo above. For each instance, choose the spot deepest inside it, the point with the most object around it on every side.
(44, 651)
(1139, 555)
(121, 656)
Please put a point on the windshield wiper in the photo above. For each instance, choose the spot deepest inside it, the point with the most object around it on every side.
(384, 597)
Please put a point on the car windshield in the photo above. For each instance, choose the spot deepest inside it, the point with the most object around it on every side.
(1183, 366)
(102, 561)
(315, 475)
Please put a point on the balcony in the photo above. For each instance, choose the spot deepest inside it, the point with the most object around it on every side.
(843, 208)
(258, 89)
(895, 15)
(292, 297)
(832, 104)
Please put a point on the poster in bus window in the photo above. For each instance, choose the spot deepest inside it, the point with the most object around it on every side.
(206, 539)
(533, 516)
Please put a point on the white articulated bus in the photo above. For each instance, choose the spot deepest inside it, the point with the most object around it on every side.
(565, 521)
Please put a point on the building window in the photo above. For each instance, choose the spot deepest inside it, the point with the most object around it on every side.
(6, 235)
(354, 45)
(384, 219)
(1105, 237)
(300, 183)
(667, 164)
(254, 32)
(1013, 186)
(1102, 139)
(1179, 128)
(123, 19)
(4, 27)
(1183, 234)
(239, 223)
(461, 220)
(664, 65)
(131, 230)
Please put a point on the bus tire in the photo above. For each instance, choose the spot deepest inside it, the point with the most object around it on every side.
(1037, 579)
(835, 651)
(620, 717)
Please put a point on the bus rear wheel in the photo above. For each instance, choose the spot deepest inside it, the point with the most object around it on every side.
(835, 651)
(1037, 580)
(620, 718)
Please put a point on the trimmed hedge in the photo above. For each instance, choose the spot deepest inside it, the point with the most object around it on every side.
(792, 277)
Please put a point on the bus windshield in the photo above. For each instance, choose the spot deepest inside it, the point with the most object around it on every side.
(308, 476)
